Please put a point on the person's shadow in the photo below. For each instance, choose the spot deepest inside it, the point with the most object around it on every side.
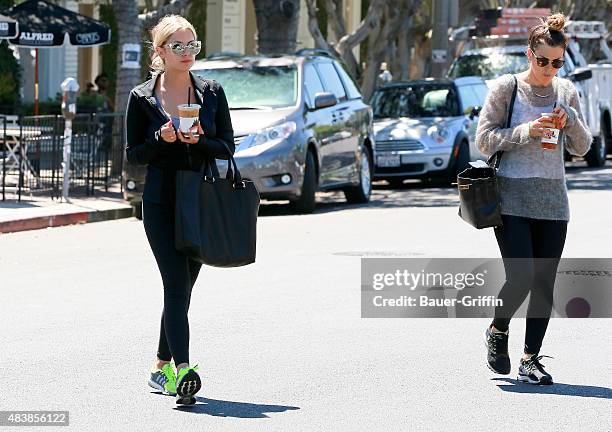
(556, 388)
(223, 408)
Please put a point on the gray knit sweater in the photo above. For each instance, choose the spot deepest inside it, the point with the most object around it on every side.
(531, 179)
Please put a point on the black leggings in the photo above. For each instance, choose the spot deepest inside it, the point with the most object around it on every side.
(178, 273)
(521, 237)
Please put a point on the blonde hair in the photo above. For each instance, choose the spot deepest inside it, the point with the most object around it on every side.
(162, 32)
(550, 32)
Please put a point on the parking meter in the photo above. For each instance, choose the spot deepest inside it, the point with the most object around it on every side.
(70, 87)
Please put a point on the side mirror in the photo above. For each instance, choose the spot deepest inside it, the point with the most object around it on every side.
(581, 75)
(324, 100)
(472, 111)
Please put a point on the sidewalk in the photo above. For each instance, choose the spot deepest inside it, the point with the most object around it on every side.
(42, 212)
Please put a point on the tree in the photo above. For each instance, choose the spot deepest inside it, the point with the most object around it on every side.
(10, 71)
(130, 25)
(277, 25)
(384, 22)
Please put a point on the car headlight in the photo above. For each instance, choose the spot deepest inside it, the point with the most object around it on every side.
(439, 133)
(265, 139)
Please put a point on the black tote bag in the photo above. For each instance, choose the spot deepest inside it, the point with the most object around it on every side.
(479, 199)
(216, 218)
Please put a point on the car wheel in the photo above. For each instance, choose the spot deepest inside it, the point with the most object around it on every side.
(596, 156)
(361, 193)
(462, 161)
(306, 202)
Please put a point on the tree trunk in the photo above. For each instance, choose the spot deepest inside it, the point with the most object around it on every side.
(129, 32)
(277, 25)
(401, 62)
(395, 14)
(373, 62)
(336, 19)
(128, 25)
(313, 27)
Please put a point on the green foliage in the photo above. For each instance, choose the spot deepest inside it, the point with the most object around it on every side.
(197, 17)
(48, 107)
(91, 102)
(10, 75)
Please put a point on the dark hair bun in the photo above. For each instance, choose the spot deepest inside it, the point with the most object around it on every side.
(556, 22)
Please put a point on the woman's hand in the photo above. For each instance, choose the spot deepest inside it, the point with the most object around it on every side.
(536, 127)
(167, 132)
(561, 116)
(190, 139)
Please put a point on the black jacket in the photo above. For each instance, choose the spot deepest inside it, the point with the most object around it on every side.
(145, 146)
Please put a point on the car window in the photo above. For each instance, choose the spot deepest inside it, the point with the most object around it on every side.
(468, 97)
(481, 93)
(331, 80)
(568, 66)
(415, 101)
(351, 88)
(488, 66)
(312, 83)
(255, 86)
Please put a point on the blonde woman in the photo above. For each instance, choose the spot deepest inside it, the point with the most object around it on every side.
(534, 204)
(154, 140)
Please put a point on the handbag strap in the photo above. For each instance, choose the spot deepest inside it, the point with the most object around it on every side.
(508, 121)
(210, 171)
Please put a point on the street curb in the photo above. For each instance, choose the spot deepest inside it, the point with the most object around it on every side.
(65, 219)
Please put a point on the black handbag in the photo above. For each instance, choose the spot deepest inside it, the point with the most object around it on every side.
(479, 198)
(216, 218)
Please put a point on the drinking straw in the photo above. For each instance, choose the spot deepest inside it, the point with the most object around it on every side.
(189, 96)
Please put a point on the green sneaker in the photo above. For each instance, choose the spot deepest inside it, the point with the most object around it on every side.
(188, 383)
(164, 379)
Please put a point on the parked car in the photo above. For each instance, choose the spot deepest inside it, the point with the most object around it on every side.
(426, 128)
(300, 125)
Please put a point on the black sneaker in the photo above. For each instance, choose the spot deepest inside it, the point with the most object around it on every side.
(497, 351)
(188, 383)
(532, 371)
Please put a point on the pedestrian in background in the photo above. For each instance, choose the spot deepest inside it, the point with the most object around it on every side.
(385, 76)
(534, 203)
(102, 84)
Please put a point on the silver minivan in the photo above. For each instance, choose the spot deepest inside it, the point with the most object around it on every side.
(300, 125)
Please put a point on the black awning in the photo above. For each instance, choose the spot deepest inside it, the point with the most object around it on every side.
(8, 27)
(43, 24)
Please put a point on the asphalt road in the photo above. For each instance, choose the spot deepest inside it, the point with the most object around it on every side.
(280, 343)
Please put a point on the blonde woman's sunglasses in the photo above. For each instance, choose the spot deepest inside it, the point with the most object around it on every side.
(192, 48)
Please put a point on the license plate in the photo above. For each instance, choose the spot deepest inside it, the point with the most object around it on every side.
(388, 161)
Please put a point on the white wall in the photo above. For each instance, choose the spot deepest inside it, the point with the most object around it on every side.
(225, 26)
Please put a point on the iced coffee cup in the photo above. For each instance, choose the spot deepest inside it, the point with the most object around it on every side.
(189, 115)
(550, 136)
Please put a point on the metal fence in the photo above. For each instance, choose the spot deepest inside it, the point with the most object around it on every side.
(32, 151)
